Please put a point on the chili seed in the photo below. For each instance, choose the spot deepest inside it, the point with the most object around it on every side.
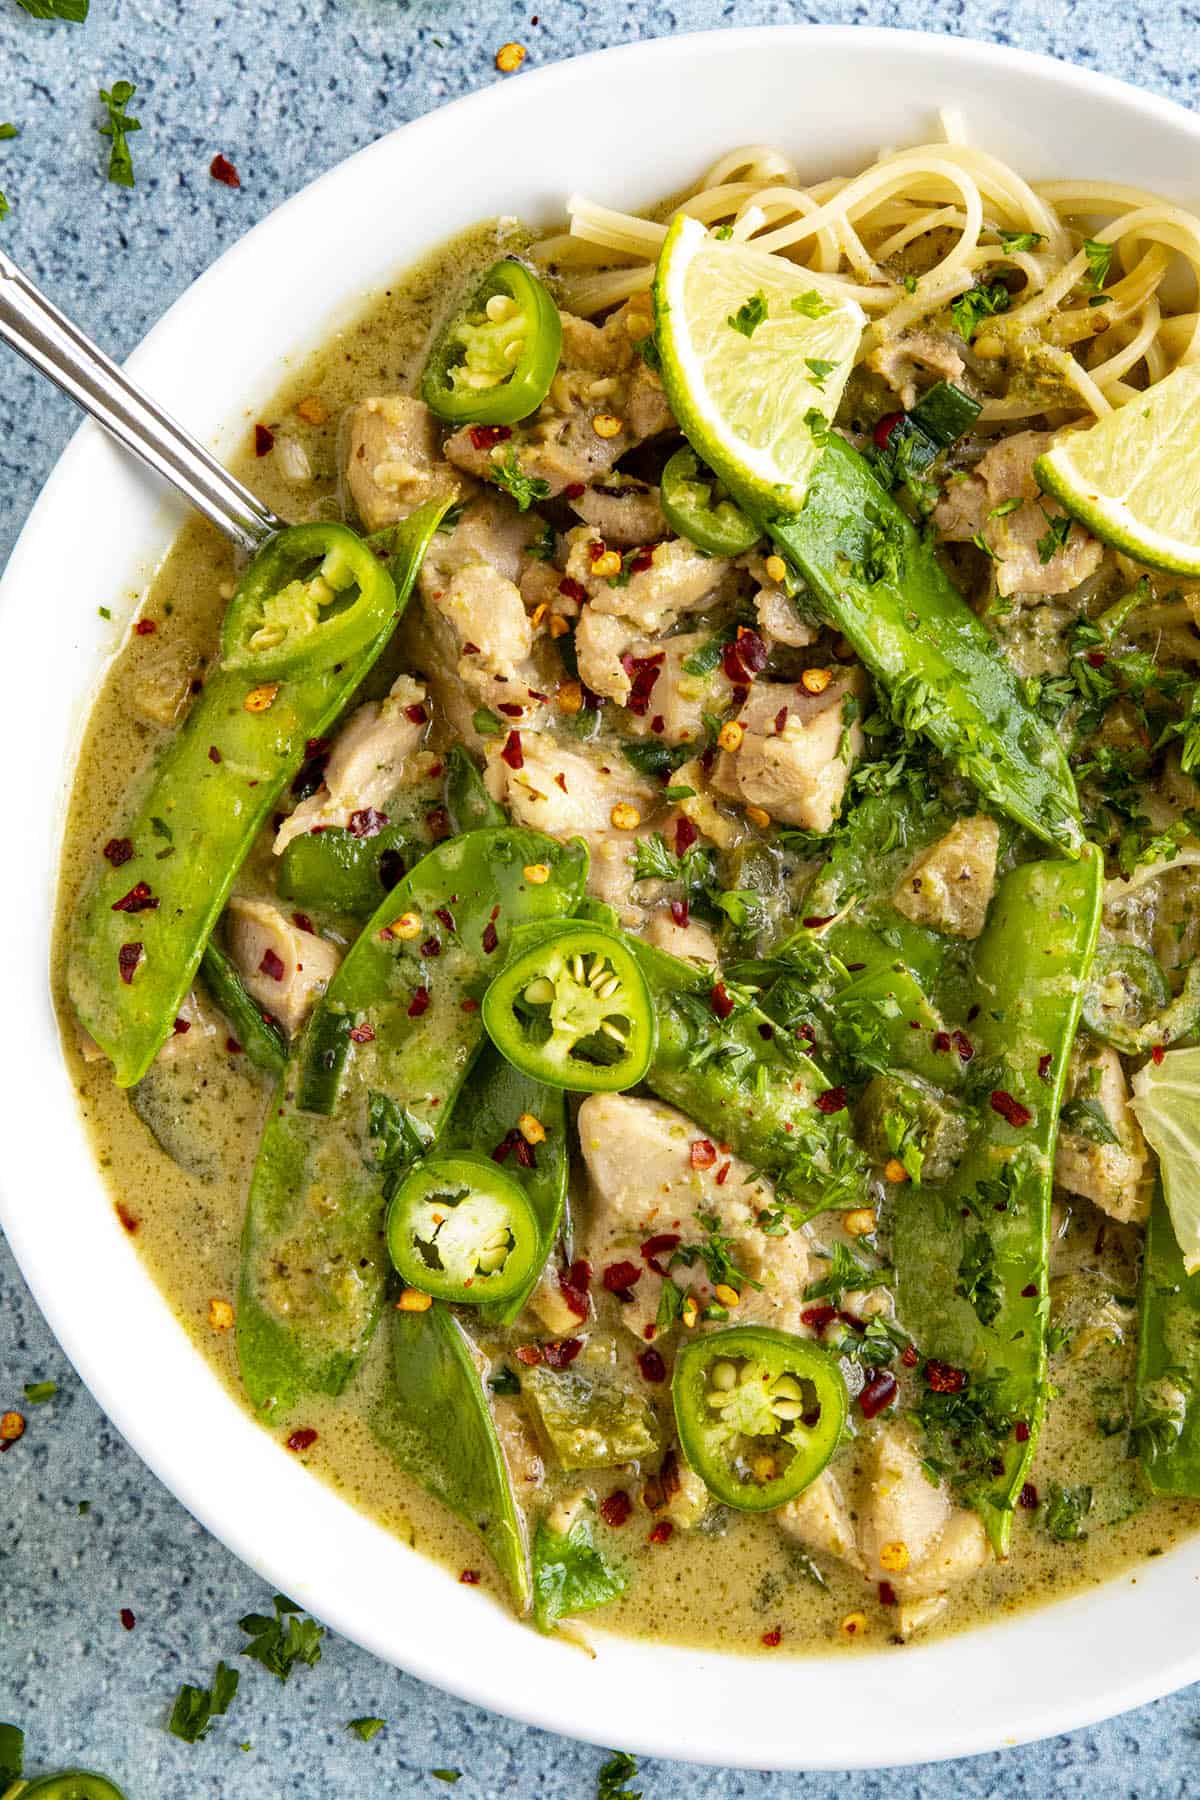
(625, 817)
(260, 698)
(536, 874)
(859, 1221)
(220, 1315)
(607, 425)
(728, 1296)
(412, 1300)
(815, 681)
(854, 1625)
(569, 698)
(531, 1129)
(895, 1170)
(731, 735)
(758, 817)
(408, 925)
(894, 1557)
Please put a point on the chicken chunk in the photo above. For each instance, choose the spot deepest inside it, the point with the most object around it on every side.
(643, 1183)
(366, 764)
(1112, 1176)
(622, 511)
(394, 461)
(900, 1505)
(900, 359)
(678, 580)
(691, 940)
(489, 531)
(950, 885)
(778, 620)
(821, 1520)
(489, 617)
(797, 753)
(669, 701)
(283, 967)
(1017, 538)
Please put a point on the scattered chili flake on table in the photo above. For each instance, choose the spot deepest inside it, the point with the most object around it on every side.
(222, 170)
(127, 1618)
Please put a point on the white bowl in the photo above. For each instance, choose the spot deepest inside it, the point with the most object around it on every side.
(833, 97)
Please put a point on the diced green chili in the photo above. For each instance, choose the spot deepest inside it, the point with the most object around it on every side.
(760, 1412)
(434, 1418)
(315, 595)
(383, 1058)
(494, 362)
(462, 1230)
(1166, 1420)
(141, 931)
(695, 506)
(972, 1255)
(573, 1010)
(259, 1035)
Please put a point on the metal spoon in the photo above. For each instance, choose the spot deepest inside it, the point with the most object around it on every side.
(44, 337)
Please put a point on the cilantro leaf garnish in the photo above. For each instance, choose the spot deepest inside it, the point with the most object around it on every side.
(749, 316)
(1020, 240)
(524, 489)
(978, 303)
(1058, 530)
(811, 305)
(38, 1392)
(118, 128)
(819, 370)
(195, 1708)
(74, 12)
(279, 1644)
(978, 1281)
(619, 1768)
(1099, 261)
(365, 1729)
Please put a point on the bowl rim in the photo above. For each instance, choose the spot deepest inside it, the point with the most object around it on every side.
(532, 1681)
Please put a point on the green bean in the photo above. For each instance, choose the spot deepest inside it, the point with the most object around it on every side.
(972, 1255)
(369, 1087)
(141, 932)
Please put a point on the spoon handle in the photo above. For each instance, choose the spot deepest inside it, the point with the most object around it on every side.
(46, 338)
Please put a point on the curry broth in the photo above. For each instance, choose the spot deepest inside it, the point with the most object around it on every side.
(735, 1578)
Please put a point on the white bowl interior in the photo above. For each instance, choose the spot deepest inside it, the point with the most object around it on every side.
(832, 97)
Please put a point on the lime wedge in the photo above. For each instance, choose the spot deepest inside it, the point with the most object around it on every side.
(1166, 1099)
(1133, 478)
(749, 348)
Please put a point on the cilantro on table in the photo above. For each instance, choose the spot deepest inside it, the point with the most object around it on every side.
(448, 1775)
(620, 1768)
(195, 1708)
(73, 12)
(366, 1729)
(281, 1643)
(38, 1392)
(119, 127)
(7, 132)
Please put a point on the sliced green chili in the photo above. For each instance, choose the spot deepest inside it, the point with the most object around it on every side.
(72, 1784)
(367, 1091)
(759, 1411)
(696, 506)
(141, 931)
(1128, 1002)
(315, 595)
(494, 362)
(462, 1230)
(573, 1010)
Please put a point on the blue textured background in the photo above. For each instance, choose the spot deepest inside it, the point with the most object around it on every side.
(286, 89)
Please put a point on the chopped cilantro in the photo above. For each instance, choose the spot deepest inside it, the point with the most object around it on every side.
(105, 612)
(487, 723)
(570, 1575)
(118, 128)
(1006, 506)
(909, 284)
(542, 547)
(714, 1253)
(522, 488)
(38, 1392)
(1020, 240)
(1058, 530)
(8, 131)
(978, 1281)
(12, 1755)
(504, 1381)
(195, 1708)
(846, 1275)
(74, 12)
(1088, 1119)
(5, 209)
(819, 370)
(811, 305)
(279, 1644)
(450, 1775)
(1066, 1508)
(681, 792)
(749, 316)
(365, 1729)
(978, 303)
(620, 1768)
(1099, 261)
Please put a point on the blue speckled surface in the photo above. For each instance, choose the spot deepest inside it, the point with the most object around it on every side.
(286, 88)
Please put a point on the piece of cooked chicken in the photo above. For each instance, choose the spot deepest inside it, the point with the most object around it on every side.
(798, 750)
(950, 885)
(394, 461)
(1112, 1176)
(367, 763)
(285, 968)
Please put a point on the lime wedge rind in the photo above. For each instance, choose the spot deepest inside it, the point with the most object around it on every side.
(1166, 1100)
(743, 399)
(1133, 478)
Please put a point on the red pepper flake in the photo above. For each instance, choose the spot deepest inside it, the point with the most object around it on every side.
(887, 1594)
(571, 589)
(490, 938)
(964, 1046)
(419, 1003)
(815, 921)
(118, 851)
(138, 899)
(574, 490)
(272, 965)
(146, 627)
(510, 708)
(941, 1041)
(469, 1006)
(723, 1174)
(704, 1153)
(302, 922)
(657, 1246)
(1029, 1291)
(943, 1378)
(128, 958)
(752, 651)
(182, 1025)
(680, 914)
(1156, 1054)
(438, 821)
(362, 1034)
(1096, 659)
(772, 1639)
(233, 1047)
(649, 1332)
(885, 428)
(1045, 1065)
(529, 1354)
(1011, 1110)
(304, 1439)
(643, 672)
(563, 1351)
(573, 1282)
(652, 1366)
(512, 753)
(222, 170)
(616, 1507)
(127, 1619)
(662, 1533)
(366, 822)
(908, 1356)
(264, 440)
(1028, 1497)
(470, 1577)
(415, 714)
(431, 947)
(720, 1001)
(214, 755)
(485, 436)
(766, 1032)
(126, 1217)
(879, 1391)
(818, 1317)
(596, 549)
(833, 1100)
(619, 1277)
(685, 835)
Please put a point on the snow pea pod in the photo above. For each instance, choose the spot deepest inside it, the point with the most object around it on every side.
(1166, 1420)
(721, 1061)
(468, 802)
(880, 582)
(142, 928)
(972, 1254)
(255, 1030)
(335, 870)
(367, 1090)
(434, 1420)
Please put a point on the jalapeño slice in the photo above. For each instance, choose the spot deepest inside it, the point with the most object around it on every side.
(314, 596)
(494, 362)
(72, 1784)
(462, 1230)
(759, 1413)
(696, 506)
(574, 1011)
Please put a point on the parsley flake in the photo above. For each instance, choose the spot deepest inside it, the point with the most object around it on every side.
(1099, 261)
(1020, 240)
(38, 1392)
(620, 1768)
(1058, 530)
(279, 1644)
(524, 489)
(819, 370)
(978, 303)
(750, 315)
(73, 12)
(366, 1729)
(195, 1708)
(811, 305)
(118, 128)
